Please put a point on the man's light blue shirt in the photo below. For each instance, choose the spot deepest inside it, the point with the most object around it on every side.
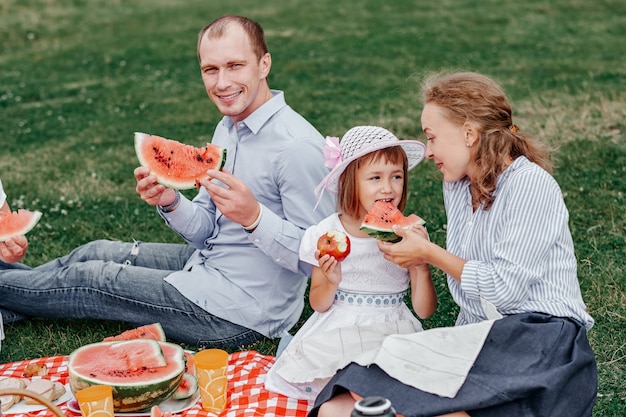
(256, 279)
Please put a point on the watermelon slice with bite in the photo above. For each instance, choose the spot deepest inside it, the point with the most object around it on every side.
(379, 221)
(175, 164)
(17, 223)
(152, 331)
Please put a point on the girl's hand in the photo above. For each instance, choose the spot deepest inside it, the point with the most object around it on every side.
(325, 279)
(330, 268)
(14, 249)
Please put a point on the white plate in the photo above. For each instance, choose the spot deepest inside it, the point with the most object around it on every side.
(173, 406)
(23, 408)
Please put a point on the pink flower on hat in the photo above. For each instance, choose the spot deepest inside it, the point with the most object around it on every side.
(332, 152)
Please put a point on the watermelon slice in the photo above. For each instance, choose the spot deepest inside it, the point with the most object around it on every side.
(152, 331)
(175, 164)
(187, 387)
(379, 221)
(156, 411)
(17, 223)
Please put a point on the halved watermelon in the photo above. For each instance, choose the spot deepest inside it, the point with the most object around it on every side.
(175, 164)
(152, 331)
(17, 223)
(132, 367)
(379, 221)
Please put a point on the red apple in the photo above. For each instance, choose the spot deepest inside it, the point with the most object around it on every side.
(334, 243)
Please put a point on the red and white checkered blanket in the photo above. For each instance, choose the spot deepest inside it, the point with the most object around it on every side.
(246, 394)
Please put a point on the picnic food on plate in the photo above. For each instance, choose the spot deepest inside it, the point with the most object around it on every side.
(17, 223)
(334, 243)
(152, 331)
(50, 390)
(142, 372)
(381, 218)
(35, 369)
(175, 164)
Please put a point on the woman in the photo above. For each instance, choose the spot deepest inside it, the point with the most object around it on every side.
(509, 254)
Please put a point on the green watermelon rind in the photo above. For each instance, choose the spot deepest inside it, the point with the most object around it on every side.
(170, 182)
(134, 396)
(7, 234)
(385, 234)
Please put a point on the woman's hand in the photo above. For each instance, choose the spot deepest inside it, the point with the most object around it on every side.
(415, 249)
(411, 251)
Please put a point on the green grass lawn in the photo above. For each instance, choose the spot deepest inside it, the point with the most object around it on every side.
(78, 77)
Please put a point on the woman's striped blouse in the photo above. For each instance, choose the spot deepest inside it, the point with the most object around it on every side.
(520, 253)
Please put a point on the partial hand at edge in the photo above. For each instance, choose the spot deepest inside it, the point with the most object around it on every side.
(14, 249)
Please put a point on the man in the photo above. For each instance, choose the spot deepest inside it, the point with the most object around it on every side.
(240, 278)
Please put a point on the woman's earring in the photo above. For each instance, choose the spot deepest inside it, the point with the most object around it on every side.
(467, 144)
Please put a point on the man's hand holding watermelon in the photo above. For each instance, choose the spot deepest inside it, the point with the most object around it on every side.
(150, 190)
(233, 198)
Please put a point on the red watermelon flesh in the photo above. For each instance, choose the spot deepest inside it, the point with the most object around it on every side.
(381, 218)
(175, 164)
(152, 331)
(17, 223)
(156, 411)
(132, 368)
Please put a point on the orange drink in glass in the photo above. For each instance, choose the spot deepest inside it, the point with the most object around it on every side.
(96, 401)
(212, 373)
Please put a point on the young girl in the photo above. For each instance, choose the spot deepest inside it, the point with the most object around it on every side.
(509, 253)
(359, 301)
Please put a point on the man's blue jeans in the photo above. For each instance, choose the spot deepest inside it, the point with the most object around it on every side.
(117, 281)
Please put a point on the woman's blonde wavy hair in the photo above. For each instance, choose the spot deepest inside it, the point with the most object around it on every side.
(479, 100)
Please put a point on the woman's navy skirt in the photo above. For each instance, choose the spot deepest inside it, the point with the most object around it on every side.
(531, 364)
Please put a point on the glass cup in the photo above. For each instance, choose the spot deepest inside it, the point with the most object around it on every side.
(212, 372)
(96, 401)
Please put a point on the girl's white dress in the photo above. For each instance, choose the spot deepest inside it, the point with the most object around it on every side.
(368, 307)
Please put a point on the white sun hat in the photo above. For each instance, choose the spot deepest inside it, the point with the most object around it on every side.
(360, 141)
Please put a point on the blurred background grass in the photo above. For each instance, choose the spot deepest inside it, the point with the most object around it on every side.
(78, 77)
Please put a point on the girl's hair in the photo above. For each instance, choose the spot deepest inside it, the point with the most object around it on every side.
(479, 100)
(348, 190)
(219, 27)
